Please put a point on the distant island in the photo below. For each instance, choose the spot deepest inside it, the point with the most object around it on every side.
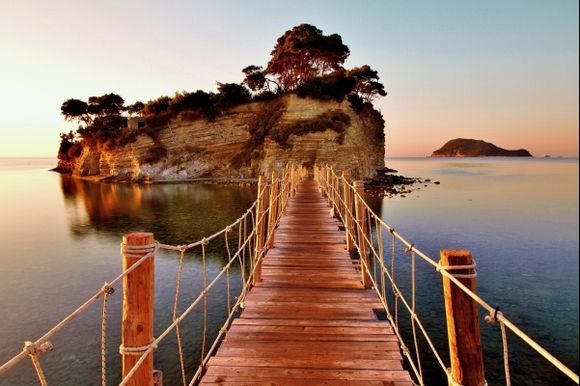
(476, 148)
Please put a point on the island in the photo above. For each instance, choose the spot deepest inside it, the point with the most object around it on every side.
(302, 108)
(461, 147)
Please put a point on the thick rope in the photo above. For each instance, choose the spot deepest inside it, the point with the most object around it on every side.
(452, 277)
(204, 270)
(506, 361)
(144, 252)
(33, 350)
(174, 315)
(335, 194)
(108, 290)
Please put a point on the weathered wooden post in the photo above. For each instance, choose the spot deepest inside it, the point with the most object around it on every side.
(347, 210)
(327, 183)
(293, 179)
(336, 191)
(462, 323)
(273, 212)
(362, 231)
(260, 228)
(138, 295)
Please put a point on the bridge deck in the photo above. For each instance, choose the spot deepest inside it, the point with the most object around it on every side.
(310, 321)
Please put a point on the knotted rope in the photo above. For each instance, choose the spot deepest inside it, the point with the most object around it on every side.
(33, 350)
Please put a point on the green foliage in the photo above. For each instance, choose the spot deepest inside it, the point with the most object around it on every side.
(231, 94)
(155, 153)
(333, 86)
(75, 109)
(303, 53)
(135, 108)
(367, 84)
(260, 125)
(332, 120)
(191, 101)
(157, 106)
(108, 104)
(304, 61)
(69, 147)
(356, 102)
(102, 117)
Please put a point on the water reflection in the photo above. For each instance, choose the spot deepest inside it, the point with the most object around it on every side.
(176, 213)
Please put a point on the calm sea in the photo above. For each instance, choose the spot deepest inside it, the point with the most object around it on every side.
(60, 242)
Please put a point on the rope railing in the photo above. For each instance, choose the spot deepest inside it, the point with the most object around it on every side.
(359, 219)
(246, 241)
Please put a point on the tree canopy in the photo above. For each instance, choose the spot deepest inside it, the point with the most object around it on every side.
(303, 61)
(303, 53)
(307, 62)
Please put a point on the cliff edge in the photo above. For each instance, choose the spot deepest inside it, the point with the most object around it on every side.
(476, 148)
(246, 141)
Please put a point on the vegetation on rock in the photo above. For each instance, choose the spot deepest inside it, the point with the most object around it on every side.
(303, 61)
(331, 120)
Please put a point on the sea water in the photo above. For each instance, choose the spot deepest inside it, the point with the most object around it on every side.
(60, 242)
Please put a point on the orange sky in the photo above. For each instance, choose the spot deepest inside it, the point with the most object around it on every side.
(503, 72)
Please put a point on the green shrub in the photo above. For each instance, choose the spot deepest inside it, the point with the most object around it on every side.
(332, 120)
(155, 153)
(334, 86)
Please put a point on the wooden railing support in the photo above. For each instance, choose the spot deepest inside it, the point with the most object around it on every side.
(336, 193)
(137, 321)
(347, 197)
(362, 233)
(260, 228)
(273, 205)
(462, 322)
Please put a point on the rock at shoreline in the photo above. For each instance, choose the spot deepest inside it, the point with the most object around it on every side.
(244, 142)
(476, 148)
(385, 182)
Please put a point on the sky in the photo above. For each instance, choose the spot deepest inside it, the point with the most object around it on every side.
(502, 71)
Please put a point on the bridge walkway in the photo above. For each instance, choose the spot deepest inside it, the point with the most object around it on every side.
(310, 320)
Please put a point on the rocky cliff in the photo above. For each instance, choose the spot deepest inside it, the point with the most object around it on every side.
(476, 148)
(246, 141)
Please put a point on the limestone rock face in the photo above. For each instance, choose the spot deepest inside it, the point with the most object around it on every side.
(227, 146)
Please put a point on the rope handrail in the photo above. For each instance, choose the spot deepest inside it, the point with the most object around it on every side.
(328, 181)
(246, 242)
(73, 315)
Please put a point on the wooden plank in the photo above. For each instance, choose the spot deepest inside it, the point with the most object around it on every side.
(347, 374)
(320, 363)
(311, 304)
(277, 336)
(321, 293)
(309, 321)
(307, 354)
(306, 346)
(251, 381)
(250, 329)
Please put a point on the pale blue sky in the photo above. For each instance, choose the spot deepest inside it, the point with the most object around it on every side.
(502, 71)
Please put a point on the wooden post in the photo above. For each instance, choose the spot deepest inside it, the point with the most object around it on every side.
(138, 295)
(336, 187)
(327, 179)
(273, 214)
(362, 231)
(462, 322)
(260, 227)
(347, 210)
(293, 181)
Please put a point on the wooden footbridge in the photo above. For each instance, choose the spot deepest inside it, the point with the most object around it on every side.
(315, 267)
(309, 320)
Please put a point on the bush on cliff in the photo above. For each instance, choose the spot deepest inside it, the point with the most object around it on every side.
(331, 120)
(303, 61)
